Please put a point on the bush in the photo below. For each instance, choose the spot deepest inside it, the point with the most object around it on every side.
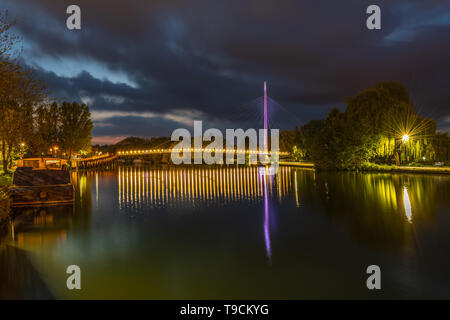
(415, 164)
(368, 166)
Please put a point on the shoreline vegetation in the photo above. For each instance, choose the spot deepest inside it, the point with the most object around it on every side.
(422, 169)
(5, 182)
(380, 129)
(34, 123)
(372, 167)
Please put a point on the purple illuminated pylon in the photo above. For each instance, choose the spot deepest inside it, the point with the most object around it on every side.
(265, 118)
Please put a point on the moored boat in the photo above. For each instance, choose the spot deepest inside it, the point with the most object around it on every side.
(39, 181)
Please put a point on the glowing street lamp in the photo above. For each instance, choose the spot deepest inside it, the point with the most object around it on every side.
(405, 139)
(53, 150)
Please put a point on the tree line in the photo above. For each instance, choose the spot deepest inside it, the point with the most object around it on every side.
(31, 121)
(379, 126)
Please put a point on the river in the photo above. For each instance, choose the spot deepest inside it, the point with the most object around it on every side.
(143, 232)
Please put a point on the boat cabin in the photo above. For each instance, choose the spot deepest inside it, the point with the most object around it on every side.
(42, 163)
(41, 181)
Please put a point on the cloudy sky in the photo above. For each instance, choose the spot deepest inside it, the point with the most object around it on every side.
(148, 67)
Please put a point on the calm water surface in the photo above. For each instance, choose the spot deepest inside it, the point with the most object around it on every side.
(212, 233)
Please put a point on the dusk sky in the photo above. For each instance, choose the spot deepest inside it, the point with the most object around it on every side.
(148, 67)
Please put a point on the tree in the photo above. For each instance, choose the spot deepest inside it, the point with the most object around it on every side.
(46, 128)
(26, 121)
(20, 92)
(441, 146)
(75, 127)
(287, 140)
(8, 41)
(370, 129)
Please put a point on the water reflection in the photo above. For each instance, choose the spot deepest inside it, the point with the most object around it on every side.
(297, 201)
(265, 176)
(376, 208)
(199, 232)
(407, 204)
(40, 226)
(370, 204)
(172, 186)
(32, 228)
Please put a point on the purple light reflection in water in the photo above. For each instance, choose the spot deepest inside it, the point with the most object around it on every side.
(266, 219)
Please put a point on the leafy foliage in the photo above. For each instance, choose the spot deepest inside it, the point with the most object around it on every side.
(66, 125)
(75, 127)
(28, 122)
(371, 130)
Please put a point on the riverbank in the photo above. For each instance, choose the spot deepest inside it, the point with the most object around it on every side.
(5, 182)
(405, 169)
(297, 164)
(371, 167)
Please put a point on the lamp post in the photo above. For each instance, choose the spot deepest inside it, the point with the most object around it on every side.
(53, 150)
(22, 149)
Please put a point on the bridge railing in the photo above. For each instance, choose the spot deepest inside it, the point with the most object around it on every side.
(94, 161)
(158, 151)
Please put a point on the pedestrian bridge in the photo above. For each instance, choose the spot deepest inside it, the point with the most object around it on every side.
(103, 160)
(155, 155)
(189, 150)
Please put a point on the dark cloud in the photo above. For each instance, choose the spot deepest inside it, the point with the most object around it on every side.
(211, 57)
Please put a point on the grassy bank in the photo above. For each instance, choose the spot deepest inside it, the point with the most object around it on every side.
(5, 182)
(405, 169)
(372, 167)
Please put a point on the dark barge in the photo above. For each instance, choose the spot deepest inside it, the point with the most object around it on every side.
(41, 181)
